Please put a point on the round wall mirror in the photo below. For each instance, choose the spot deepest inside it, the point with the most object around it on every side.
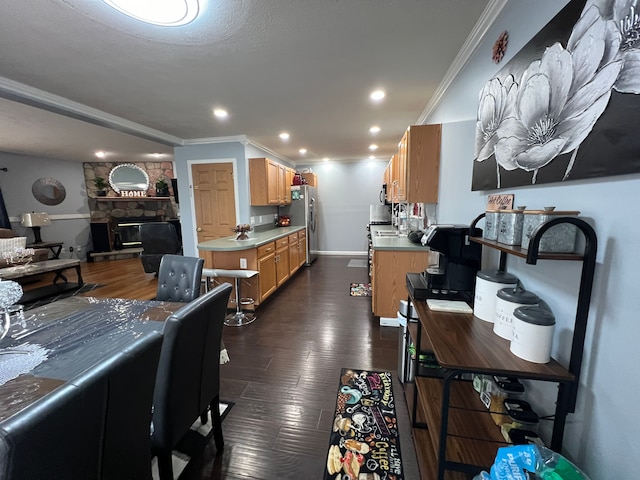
(48, 191)
(128, 176)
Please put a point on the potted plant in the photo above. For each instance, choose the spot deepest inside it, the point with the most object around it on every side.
(101, 186)
(162, 188)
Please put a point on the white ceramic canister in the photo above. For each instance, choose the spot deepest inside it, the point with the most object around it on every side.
(488, 282)
(508, 299)
(532, 334)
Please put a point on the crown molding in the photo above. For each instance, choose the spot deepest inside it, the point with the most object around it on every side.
(203, 141)
(21, 93)
(469, 47)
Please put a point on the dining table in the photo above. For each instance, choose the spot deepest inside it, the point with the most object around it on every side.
(50, 345)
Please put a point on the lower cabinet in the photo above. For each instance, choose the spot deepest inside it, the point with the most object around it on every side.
(282, 261)
(267, 269)
(302, 247)
(389, 278)
(275, 261)
(294, 251)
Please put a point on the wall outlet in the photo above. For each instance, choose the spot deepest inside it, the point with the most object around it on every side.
(63, 250)
(243, 263)
(78, 248)
(253, 220)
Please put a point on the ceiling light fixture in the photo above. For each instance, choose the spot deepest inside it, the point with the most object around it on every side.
(373, 147)
(100, 154)
(377, 95)
(303, 151)
(375, 129)
(325, 159)
(220, 113)
(166, 13)
(284, 136)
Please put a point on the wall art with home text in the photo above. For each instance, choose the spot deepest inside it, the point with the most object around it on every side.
(566, 107)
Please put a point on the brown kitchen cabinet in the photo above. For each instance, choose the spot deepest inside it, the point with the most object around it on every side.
(415, 169)
(302, 247)
(294, 252)
(311, 178)
(268, 182)
(267, 269)
(389, 271)
(282, 261)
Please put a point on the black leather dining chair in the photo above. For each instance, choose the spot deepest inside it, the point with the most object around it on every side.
(210, 386)
(179, 278)
(127, 433)
(158, 239)
(57, 437)
(178, 394)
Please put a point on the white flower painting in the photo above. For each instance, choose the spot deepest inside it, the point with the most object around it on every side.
(540, 117)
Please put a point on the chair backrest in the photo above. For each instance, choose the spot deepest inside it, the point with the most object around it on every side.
(177, 395)
(158, 239)
(179, 278)
(126, 452)
(211, 361)
(58, 437)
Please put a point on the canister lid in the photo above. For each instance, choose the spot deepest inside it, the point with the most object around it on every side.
(497, 276)
(551, 211)
(518, 295)
(535, 315)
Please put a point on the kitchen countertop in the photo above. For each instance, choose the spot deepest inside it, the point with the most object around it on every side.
(229, 244)
(392, 243)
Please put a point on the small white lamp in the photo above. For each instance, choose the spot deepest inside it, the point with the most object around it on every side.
(35, 221)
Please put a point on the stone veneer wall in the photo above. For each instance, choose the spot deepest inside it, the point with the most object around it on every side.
(114, 207)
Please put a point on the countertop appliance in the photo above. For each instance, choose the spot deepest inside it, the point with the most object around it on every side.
(458, 262)
(379, 215)
(303, 212)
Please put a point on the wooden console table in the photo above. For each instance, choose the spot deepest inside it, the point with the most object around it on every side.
(38, 268)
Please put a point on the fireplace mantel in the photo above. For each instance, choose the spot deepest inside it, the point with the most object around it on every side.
(131, 199)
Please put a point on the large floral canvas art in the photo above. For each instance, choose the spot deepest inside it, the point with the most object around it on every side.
(567, 106)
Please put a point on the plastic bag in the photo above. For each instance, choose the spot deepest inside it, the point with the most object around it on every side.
(513, 463)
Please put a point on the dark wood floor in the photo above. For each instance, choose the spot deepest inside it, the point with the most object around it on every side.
(284, 370)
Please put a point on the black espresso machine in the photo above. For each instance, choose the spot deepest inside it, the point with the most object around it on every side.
(459, 259)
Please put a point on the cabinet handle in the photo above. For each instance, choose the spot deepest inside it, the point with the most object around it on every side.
(198, 229)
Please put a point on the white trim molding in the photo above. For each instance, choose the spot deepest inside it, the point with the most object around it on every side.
(466, 52)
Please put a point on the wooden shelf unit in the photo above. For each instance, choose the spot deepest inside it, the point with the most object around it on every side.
(454, 433)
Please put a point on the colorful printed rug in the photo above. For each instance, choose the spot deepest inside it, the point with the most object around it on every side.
(364, 444)
(360, 290)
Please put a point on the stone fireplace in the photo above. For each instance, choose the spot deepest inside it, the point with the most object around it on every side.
(112, 213)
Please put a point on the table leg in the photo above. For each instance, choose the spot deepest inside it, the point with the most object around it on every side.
(80, 281)
(56, 249)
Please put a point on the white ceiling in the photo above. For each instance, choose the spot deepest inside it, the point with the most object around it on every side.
(77, 76)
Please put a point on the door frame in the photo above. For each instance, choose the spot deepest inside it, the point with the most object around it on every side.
(236, 200)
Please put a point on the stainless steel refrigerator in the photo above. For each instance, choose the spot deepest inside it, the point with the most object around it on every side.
(303, 211)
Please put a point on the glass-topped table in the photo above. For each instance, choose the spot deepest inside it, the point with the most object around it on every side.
(58, 341)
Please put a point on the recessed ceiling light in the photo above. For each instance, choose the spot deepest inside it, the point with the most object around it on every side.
(377, 95)
(325, 159)
(284, 136)
(302, 151)
(373, 147)
(166, 13)
(375, 129)
(372, 157)
(100, 154)
(220, 113)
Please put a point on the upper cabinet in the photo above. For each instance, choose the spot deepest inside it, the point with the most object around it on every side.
(415, 169)
(270, 182)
